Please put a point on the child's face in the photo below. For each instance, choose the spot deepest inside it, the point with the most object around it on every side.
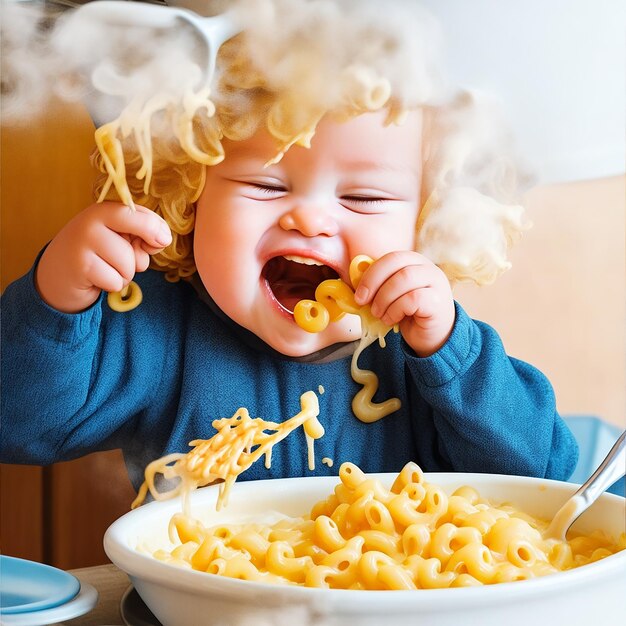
(266, 237)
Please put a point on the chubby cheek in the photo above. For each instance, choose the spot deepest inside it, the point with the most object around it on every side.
(227, 266)
(377, 237)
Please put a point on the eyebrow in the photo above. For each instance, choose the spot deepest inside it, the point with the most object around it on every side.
(367, 164)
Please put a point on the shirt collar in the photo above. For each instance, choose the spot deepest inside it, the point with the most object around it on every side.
(325, 355)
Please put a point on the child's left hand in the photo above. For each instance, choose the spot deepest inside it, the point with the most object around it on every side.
(408, 289)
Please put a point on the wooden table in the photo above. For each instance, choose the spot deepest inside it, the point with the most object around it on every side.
(111, 583)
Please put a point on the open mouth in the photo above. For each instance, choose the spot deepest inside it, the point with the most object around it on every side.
(293, 278)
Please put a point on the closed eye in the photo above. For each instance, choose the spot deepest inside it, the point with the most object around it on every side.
(365, 204)
(364, 199)
(262, 190)
(268, 188)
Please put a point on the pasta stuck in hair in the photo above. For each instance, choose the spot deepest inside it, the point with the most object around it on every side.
(294, 64)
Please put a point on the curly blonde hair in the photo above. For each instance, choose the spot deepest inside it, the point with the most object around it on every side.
(469, 217)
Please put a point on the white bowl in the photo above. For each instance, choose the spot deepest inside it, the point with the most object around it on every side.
(594, 593)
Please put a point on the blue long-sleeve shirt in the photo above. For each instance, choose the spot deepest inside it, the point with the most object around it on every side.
(151, 380)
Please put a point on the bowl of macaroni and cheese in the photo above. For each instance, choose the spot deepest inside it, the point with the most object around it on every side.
(362, 550)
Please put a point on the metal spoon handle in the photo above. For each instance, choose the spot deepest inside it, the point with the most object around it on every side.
(611, 469)
(124, 13)
(208, 33)
(214, 31)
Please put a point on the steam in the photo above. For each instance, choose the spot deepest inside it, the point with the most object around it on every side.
(78, 56)
(468, 234)
(25, 67)
(311, 52)
(317, 41)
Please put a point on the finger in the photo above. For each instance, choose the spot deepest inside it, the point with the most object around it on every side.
(406, 280)
(141, 222)
(382, 269)
(116, 250)
(144, 246)
(142, 258)
(419, 303)
(149, 249)
(102, 275)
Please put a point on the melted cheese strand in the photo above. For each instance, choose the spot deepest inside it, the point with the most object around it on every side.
(239, 442)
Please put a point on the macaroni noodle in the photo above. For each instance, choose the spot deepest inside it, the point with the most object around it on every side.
(333, 299)
(239, 442)
(365, 536)
(129, 298)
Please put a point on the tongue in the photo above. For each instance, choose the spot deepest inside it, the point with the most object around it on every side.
(289, 292)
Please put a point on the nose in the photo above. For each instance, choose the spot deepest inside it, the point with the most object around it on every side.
(310, 220)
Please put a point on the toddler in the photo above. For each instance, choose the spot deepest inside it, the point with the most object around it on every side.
(318, 149)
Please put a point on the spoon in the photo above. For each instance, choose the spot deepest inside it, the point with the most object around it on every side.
(210, 32)
(611, 469)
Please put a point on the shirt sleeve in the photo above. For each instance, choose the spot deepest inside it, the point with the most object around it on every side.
(72, 383)
(491, 412)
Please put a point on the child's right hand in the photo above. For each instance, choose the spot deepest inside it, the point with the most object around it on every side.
(100, 249)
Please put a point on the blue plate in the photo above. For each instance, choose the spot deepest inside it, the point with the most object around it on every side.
(28, 586)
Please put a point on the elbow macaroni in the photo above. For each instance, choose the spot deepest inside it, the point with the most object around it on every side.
(367, 537)
(333, 299)
(126, 300)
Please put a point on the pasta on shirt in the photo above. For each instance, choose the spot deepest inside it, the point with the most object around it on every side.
(333, 299)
